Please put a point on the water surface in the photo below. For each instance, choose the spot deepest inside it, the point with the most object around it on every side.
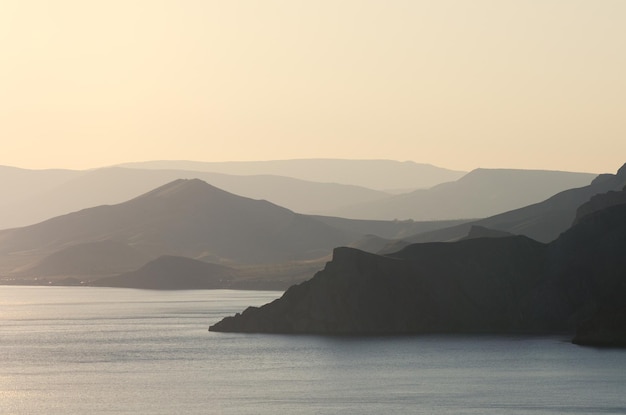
(77, 350)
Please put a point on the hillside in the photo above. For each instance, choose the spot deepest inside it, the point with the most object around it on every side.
(172, 273)
(480, 193)
(543, 221)
(169, 272)
(31, 196)
(187, 218)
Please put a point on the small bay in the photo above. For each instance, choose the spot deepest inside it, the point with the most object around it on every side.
(76, 350)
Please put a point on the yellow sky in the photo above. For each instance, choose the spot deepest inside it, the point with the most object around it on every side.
(460, 84)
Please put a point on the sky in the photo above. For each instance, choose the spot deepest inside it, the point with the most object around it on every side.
(533, 84)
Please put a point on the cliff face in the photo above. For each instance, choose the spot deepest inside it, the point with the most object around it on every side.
(482, 286)
(498, 285)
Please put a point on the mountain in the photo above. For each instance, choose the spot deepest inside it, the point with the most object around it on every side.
(19, 185)
(187, 218)
(478, 194)
(169, 272)
(34, 196)
(103, 257)
(482, 232)
(372, 174)
(16, 183)
(543, 221)
(496, 285)
(388, 228)
(173, 273)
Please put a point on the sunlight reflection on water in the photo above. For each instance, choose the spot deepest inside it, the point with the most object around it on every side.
(97, 350)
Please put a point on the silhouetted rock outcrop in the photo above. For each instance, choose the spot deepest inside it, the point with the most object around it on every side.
(499, 285)
(475, 285)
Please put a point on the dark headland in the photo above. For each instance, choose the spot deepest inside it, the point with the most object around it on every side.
(574, 284)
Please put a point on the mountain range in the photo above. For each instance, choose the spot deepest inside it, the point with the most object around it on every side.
(478, 194)
(382, 175)
(187, 218)
(264, 245)
(32, 196)
(543, 221)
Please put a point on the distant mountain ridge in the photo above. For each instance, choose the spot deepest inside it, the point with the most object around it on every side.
(543, 221)
(32, 197)
(170, 272)
(372, 174)
(478, 194)
(190, 274)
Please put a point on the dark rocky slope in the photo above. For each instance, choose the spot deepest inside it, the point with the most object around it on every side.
(497, 285)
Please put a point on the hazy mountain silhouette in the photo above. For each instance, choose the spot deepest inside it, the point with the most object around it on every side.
(480, 193)
(92, 258)
(179, 273)
(32, 196)
(482, 232)
(498, 285)
(48, 194)
(19, 185)
(387, 228)
(173, 273)
(542, 221)
(373, 174)
(186, 217)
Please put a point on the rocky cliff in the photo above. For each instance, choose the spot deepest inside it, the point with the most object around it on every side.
(497, 285)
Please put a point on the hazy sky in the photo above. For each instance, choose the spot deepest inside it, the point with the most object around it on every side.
(459, 84)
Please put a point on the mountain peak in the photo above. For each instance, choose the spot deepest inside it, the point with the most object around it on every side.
(183, 188)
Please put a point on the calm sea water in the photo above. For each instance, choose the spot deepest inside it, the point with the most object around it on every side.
(77, 350)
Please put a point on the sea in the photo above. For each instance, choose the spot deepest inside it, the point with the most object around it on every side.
(86, 350)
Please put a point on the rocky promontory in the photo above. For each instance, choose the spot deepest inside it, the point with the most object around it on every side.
(484, 285)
